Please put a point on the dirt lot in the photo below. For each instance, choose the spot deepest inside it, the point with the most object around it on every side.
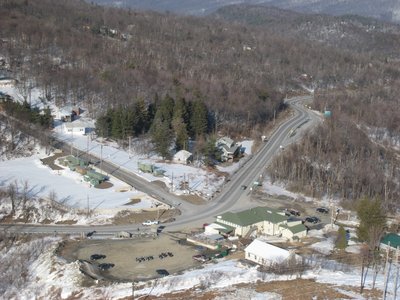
(123, 254)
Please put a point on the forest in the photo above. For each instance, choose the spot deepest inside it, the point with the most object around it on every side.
(145, 72)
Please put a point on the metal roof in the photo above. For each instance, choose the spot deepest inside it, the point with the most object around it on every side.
(391, 238)
(252, 216)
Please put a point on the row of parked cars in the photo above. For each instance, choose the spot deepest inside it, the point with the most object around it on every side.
(102, 266)
(308, 219)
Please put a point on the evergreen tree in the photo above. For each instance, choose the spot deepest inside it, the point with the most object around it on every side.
(341, 241)
(162, 138)
(142, 117)
(103, 124)
(198, 118)
(47, 119)
(179, 124)
(117, 124)
(372, 221)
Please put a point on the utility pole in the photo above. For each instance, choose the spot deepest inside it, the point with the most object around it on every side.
(397, 273)
(130, 141)
(88, 207)
(101, 158)
(172, 182)
(133, 290)
(87, 148)
(386, 275)
(274, 115)
(72, 139)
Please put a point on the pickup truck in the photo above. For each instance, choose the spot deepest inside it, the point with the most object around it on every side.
(149, 223)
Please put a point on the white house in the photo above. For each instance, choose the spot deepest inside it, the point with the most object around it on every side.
(263, 221)
(229, 149)
(266, 254)
(77, 127)
(183, 157)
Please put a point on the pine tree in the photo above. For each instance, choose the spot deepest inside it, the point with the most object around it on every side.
(372, 221)
(116, 125)
(161, 137)
(179, 124)
(198, 118)
(341, 241)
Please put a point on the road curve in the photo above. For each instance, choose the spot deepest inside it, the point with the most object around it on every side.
(229, 196)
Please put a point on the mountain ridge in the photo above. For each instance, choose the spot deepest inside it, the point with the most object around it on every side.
(386, 10)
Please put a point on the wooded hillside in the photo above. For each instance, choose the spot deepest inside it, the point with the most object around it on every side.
(112, 60)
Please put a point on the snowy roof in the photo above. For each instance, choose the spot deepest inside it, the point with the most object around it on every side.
(215, 237)
(182, 156)
(221, 227)
(267, 251)
(77, 124)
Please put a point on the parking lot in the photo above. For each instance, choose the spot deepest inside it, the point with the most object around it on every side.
(128, 254)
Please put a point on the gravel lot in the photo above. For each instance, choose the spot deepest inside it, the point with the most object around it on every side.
(123, 254)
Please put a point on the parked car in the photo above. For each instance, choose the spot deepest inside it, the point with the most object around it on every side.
(162, 272)
(106, 266)
(90, 234)
(322, 210)
(150, 222)
(291, 212)
(201, 257)
(313, 220)
(243, 187)
(97, 256)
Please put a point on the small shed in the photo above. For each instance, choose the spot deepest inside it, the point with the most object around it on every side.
(391, 241)
(216, 228)
(183, 157)
(76, 127)
(266, 254)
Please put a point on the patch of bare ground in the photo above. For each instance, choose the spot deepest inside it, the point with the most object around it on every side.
(104, 185)
(131, 217)
(193, 199)
(288, 290)
(133, 201)
(49, 161)
(161, 184)
(66, 222)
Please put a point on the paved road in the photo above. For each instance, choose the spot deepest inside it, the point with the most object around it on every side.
(232, 195)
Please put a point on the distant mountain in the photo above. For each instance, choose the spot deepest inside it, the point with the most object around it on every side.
(387, 10)
(350, 32)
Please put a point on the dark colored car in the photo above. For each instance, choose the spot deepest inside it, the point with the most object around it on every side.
(97, 256)
(90, 234)
(322, 210)
(106, 266)
(313, 220)
(291, 212)
(162, 272)
(201, 257)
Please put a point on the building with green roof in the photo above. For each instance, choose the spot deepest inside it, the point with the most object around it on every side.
(391, 241)
(263, 221)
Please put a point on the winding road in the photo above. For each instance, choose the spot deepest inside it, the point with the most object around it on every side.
(231, 196)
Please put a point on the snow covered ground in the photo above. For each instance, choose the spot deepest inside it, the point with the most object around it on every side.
(52, 277)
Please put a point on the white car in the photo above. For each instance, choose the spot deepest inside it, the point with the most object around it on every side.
(149, 223)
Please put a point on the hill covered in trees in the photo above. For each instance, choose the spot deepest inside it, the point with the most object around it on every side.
(137, 68)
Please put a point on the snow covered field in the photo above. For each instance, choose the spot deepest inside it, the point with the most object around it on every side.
(51, 276)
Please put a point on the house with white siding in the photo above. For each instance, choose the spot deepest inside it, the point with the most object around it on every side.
(266, 254)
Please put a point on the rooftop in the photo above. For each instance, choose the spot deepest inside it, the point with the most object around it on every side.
(252, 216)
